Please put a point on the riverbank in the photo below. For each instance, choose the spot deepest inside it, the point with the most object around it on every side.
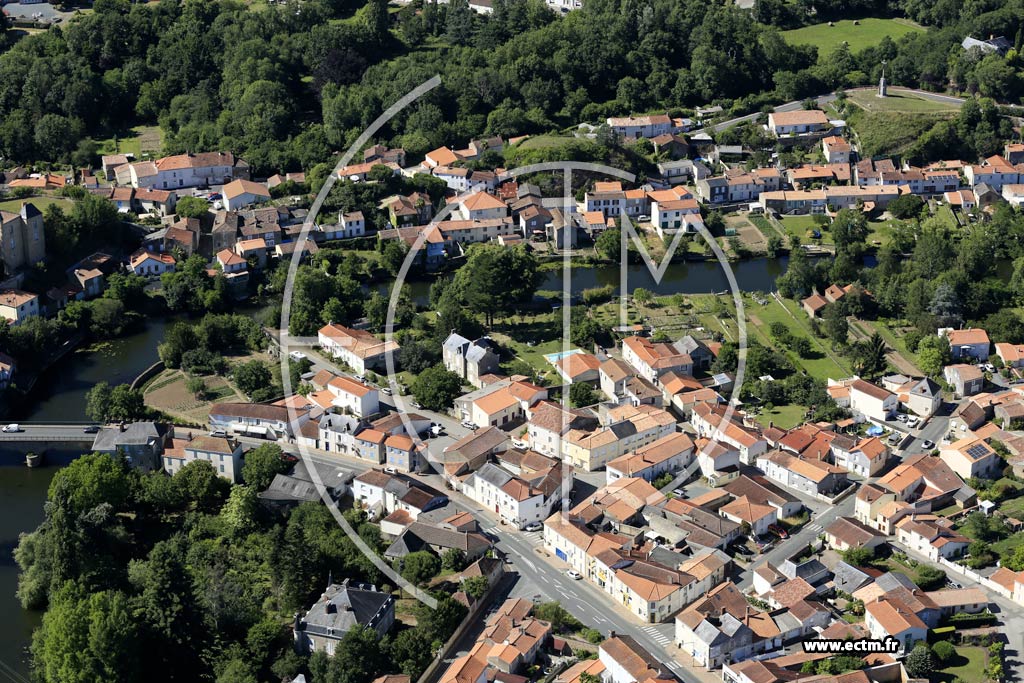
(22, 492)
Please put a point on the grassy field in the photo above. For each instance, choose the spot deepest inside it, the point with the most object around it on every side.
(898, 101)
(867, 33)
(41, 203)
(824, 365)
(542, 141)
(968, 665)
(803, 227)
(783, 417)
(888, 133)
(138, 141)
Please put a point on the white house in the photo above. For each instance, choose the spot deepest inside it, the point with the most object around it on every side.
(358, 349)
(183, 170)
(257, 419)
(797, 122)
(482, 206)
(972, 342)
(151, 265)
(516, 501)
(653, 359)
(351, 224)
(353, 397)
(889, 617)
(17, 306)
(225, 455)
(634, 127)
(668, 454)
(872, 401)
(239, 194)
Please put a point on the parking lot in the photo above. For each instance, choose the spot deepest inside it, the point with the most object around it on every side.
(39, 11)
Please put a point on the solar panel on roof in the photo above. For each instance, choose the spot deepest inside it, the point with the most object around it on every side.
(977, 451)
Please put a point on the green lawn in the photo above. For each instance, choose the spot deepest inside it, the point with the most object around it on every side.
(759, 320)
(137, 141)
(41, 203)
(899, 101)
(946, 215)
(1014, 507)
(968, 665)
(867, 33)
(803, 227)
(879, 232)
(542, 141)
(884, 133)
(783, 417)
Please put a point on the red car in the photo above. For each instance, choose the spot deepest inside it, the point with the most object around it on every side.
(778, 531)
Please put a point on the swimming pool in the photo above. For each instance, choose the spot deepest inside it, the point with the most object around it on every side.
(555, 357)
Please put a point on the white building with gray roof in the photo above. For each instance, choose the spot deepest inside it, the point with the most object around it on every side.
(470, 360)
(339, 609)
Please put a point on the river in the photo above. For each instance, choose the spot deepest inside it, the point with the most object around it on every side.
(58, 395)
(688, 277)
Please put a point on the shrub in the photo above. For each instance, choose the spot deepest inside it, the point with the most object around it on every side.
(943, 651)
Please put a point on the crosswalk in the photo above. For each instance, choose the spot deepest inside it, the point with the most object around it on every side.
(813, 527)
(534, 538)
(657, 636)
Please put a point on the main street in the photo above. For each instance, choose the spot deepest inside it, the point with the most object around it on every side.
(584, 600)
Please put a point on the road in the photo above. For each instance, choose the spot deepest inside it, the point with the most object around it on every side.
(822, 101)
(42, 433)
(545, 576)
(822, 516)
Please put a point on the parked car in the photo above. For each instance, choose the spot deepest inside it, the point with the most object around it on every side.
(297, 355)
(516, 443)
(533, 526)
(91, 429)
(901, 417)
(895, 438)
(679, 492)
(574, 575)
(912, 421)
(437, 430)
(778, 531)
(468, 425)
(218, 432)
(386, 391)
(741, 549)
(416, 405)
(11, 428)
(928, 445)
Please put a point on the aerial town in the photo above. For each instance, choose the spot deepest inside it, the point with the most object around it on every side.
(704, 367)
